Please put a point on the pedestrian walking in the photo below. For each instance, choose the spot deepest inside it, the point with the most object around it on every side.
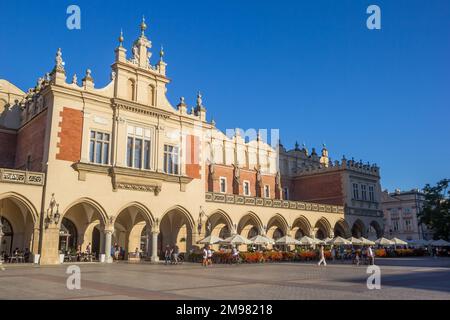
(209, 256)
(370, 255)
(175, 253)
(205, 256)
(235, 255)
(357, 258)
(322, 257)
(167, 254)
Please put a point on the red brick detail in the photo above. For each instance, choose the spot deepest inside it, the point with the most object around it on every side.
(250, 176)
(326, 188)
(270, 181)
(213, 185)
(220, 170)
(193, 157)
(70, 135)
(8, 141)
(30, 144)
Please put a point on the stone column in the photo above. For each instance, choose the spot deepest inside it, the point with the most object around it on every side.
(101, 247)
(155, 257)
(1, 236)
(49, 246)
(108, 240)
(148, 247)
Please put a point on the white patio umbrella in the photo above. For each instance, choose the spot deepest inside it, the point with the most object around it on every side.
(419, 242)
(440, 243)
(318, 241)
(384, 242)
(327, 240)
(210, 240)
(399, 242)
(236, 239)
(287, 240)
(305, 240)
(355, 241)
(338, 241)
(259, 239)
(367, 242)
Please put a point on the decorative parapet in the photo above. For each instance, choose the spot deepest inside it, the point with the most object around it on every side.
(23, 177)
(345, 164)
(131, 179)
(273, 203)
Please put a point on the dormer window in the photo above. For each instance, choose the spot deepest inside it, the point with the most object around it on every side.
(246, 188)
(223, 184)
(267, 191)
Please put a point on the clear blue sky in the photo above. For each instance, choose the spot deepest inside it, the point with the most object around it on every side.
(310, 68)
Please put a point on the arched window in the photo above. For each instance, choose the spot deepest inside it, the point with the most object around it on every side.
(131, 94)
(151, 95)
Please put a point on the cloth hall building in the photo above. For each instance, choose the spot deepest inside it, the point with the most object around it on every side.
(83, 165)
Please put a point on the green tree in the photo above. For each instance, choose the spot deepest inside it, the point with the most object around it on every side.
(435, 213)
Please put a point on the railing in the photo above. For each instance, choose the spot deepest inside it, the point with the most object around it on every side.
(273, 203)
(22, 177)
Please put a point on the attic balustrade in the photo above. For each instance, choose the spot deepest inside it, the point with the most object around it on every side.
(272, 203)
(22, 177)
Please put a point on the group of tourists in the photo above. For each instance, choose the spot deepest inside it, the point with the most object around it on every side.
(172, 254)
(366, 255)
(117, 252)
(16, 256)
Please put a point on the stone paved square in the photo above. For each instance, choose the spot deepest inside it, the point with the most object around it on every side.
(401, 278)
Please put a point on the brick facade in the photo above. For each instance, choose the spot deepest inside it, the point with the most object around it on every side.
(70, 135)
(8, 140)
(322, 188)
(213, 185)
(193, 157)
(30, 144)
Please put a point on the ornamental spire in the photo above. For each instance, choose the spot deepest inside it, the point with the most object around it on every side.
(143, 26)
(161, 54)
(121, 38)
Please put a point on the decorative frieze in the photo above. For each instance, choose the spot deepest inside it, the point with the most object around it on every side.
(140, 109)
(272, 203)
(23, 177)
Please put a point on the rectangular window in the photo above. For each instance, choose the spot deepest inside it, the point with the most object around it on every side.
(138, 148)
(355, 191)
(147, 154)
(364, 192)
(171, 159)
(99, 147)
(267, 191)
(246, 188)
(371, 194)
(138, 153)
(285, 194)
(223, 184)
(408, 225)
(130, 151)
(395, 224)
